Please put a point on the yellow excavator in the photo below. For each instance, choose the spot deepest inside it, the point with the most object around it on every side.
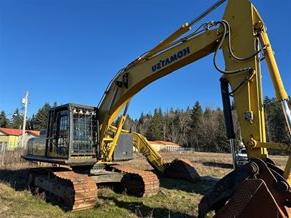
(85, 139)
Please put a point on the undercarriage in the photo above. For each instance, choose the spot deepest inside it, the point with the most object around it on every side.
(78, 190)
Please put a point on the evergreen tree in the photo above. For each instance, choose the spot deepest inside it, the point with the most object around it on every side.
(195, 125)
(275, 122)
(142, 123)
(221, 140)
(17, 120)
(207, 113)
(196, 115)
(29, 124)
(3, 120)
(155, 128)
(40, 119)
(203, 130)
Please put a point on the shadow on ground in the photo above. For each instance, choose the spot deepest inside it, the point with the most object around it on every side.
(199, 187)
(215, 164)
(142, 210)
(17, 178)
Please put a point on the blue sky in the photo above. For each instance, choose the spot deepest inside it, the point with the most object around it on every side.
(68, 50)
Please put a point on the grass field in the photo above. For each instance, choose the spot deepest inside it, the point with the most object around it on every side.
(176, 198)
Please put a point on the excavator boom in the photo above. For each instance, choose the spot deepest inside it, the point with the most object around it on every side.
(242, 37)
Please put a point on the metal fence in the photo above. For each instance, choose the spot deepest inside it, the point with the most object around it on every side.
(177, 149)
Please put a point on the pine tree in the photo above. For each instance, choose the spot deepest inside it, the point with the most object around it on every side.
(17, 120)
(221, 142)
(275, 120)
(3, 120)
(40, 119)
(155, 128)
(196, 116)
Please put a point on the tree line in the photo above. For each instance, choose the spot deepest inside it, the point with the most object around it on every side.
(204, 129)
(36, 122)
(195, 127)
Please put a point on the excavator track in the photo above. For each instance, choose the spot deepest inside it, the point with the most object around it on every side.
(71, 190)
(138, 182)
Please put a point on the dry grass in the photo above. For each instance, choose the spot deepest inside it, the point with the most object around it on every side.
(175, 199)
(13, 159)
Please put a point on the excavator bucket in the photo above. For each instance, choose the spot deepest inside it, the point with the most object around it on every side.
(250, 196)
(257, 189)
(178, 168)
(181, 169)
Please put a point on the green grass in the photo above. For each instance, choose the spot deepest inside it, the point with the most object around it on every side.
(172, 200)
(176, 198)
(23, 204)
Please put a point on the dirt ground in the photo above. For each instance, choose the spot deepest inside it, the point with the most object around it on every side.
(176, 198)
(207, 164)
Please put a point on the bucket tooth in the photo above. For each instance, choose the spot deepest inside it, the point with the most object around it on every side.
(181, 169)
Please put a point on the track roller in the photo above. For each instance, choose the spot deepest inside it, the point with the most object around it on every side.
(136, 182)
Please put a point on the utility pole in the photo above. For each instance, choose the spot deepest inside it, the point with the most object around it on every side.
(25, 104)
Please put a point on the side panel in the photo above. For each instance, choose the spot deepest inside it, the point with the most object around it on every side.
(124, 148)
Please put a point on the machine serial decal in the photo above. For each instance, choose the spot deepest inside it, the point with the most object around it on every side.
(163, 63)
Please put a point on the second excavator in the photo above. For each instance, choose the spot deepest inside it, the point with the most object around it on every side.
(85, 139)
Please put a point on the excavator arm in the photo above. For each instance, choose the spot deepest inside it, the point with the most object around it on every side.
(147, 69)
(242, 37)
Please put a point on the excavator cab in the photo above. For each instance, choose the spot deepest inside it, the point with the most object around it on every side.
(71, 131)
(72, 138)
